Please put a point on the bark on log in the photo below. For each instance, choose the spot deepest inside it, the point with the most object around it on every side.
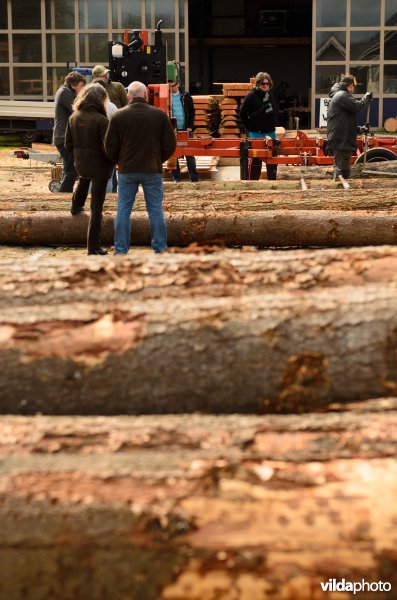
(369, 194)
(198, 508)
(283, 228)
(110, 337)
(188, 194)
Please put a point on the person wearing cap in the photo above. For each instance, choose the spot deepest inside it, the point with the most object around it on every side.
(115, 89)
(258, 116)
(183, 111)
(342, 126)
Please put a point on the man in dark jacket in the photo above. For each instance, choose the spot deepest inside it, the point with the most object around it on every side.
(258, 116)
(139, 139)
(183, 111)
(342, 123)
(64, 98)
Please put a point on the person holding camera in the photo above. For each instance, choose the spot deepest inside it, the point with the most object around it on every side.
(342, 126)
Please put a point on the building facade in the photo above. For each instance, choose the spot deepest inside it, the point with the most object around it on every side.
(39, 38)
(305, 44)
(357, 37)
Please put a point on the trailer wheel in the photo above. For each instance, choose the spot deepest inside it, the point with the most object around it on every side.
(377, 155)
(54, 186)
(28, 137)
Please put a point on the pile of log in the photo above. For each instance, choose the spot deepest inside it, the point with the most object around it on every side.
(203, 504)
(198, 507)
(263, 214)
(230, 122)
(206, 120)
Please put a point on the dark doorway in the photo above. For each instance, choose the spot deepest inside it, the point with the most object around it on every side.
(232, 40)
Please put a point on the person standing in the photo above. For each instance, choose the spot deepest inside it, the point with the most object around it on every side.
(110, 106)
(140, 138)
(85, 139)
(183, 111)
(342, 126)
(64, 98)
(258, 116)
(117, 97)
(115, 89)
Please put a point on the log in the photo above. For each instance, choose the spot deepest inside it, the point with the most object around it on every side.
(109, 336)
(268, 228)
(390, 124)
(232, 195)
(198, 507)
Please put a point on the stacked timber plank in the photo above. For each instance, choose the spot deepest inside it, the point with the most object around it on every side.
(237, 90)
(233, 95)
(206, 121)
(230, 121)
(205, 165)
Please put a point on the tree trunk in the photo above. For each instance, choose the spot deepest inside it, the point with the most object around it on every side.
(283, 228)
(198, 507)
(256, 333)
(189, 194)
(231, 195)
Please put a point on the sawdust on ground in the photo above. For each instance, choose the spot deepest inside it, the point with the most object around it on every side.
(18, 174)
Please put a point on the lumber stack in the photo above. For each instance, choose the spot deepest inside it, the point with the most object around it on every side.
(205, 165)
(206, 121)
(233, 94)
(237, 90)
(230, 121)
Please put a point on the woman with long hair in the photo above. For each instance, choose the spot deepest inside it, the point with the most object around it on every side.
(258, 116)
(84, 137)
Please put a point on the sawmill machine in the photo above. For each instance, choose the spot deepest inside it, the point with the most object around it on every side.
(135, 59)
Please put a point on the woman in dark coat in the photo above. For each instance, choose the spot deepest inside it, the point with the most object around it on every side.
(258, 116)
(84, 137)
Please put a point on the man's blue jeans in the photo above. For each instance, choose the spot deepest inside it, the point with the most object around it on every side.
(152, 184)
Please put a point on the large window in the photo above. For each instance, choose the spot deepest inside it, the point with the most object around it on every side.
(59, 14)
(391, 13)
(365, 13)
(60, 48)
(93, 14)
(26, 14)
(41, 39)
(126, 14)
(3, 14)
(357, 37)
(331, 14)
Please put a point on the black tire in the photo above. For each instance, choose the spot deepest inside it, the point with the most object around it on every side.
(54, 186)
(377, 155)
(28, 137)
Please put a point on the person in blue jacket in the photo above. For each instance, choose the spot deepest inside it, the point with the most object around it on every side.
(183, 111)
